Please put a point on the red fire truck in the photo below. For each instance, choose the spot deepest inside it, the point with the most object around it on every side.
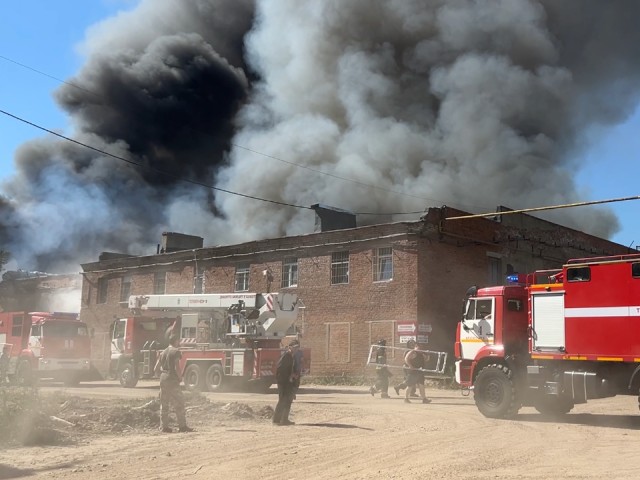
(45, 345)
(225, 339)
(553, 339)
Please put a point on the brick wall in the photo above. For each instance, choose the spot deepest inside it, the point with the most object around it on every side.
(434, 262)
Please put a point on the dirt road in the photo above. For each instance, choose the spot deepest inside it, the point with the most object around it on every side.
(343, 432)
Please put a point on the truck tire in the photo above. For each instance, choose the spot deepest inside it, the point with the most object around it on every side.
(214, 379)
(127, 376)
(24, 374)
(193, 378)
(553, 405)
(495, 392)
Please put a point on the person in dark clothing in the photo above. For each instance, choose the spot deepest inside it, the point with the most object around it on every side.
(170, 392)
(415, 361)
(401, 386)
(382, 372)
(286, 380)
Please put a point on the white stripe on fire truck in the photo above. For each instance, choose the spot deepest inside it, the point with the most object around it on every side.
(624, 311)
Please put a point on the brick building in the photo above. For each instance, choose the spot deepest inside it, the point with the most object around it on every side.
(357, 284)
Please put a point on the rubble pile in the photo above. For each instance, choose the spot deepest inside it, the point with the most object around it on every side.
(59, 418)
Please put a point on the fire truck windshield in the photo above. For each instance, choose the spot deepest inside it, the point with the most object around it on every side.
(65, 329)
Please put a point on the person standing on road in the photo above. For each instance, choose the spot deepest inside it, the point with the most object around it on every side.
(170, 392)
(382, 372)
(401, 386)
(285, 378)
(4, 362)
(415, 361)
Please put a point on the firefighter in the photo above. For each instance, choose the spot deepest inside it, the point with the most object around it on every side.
(415, 362)
(170, 392)
(382, 372)
(285, 377)
(412, 390)
(4, 362)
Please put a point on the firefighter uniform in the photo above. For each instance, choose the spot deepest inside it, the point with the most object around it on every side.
(170, 392)
(286, 379)
(382, 372)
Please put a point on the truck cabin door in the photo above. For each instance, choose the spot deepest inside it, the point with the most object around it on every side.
(477, 329)
(117, 337)
(35, 339)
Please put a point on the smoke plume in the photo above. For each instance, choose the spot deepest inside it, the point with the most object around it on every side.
(467, 103)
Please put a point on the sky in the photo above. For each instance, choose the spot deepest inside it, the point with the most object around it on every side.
(46, 36)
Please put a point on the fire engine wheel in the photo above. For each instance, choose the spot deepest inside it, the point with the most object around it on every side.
(127, 376)
(214, 380)
(552, 405)
(193, 377)
(495, 392)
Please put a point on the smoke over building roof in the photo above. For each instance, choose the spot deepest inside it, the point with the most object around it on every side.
(469, 103)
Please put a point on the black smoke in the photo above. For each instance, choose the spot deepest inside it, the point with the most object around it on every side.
(467, 103)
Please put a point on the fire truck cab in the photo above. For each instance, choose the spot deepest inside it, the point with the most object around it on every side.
(225, 339)
(553, 338)
(52, 345)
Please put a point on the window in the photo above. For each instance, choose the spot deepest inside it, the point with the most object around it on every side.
(16, 328)
(477, 309)
(125, 288)
(635, 270)
(382, 264)
(495, 271)
(339, 268)
(514, 305)
(198, 280)
(290, 272)
(103, 283)
(159, 283)
(242, 277)
(578, 274)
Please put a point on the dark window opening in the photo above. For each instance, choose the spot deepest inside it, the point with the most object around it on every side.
(579, 274)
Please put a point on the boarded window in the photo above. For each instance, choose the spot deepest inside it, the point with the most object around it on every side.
(338, 347)
(382, 264)
(339, 268)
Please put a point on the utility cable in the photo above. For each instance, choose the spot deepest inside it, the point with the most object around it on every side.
(131, 162)
(539, 209)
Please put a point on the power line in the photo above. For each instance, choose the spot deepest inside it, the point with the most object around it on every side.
(131, 162)
(50, 76)
(539, 209)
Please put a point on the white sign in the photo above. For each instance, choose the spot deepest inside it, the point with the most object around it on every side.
(423, 339)
(424, 328)
(406, 338)
(406, 327)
